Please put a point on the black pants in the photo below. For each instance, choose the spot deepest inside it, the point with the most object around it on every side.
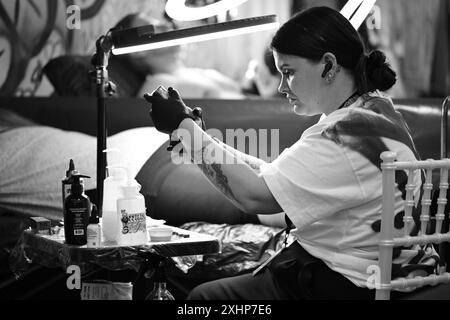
(293, 275)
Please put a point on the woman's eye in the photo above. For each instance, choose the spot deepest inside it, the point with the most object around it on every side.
(288, 73)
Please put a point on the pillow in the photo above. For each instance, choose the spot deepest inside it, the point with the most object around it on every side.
(69, 75)
(35, 159)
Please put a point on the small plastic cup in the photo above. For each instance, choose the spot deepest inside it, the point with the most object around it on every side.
(160, 234)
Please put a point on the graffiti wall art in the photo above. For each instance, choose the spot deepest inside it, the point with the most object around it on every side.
(32, 32)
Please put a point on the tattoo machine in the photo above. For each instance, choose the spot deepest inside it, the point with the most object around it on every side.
(197, 113)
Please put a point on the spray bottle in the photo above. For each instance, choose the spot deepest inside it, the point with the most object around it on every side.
(112, 187)
(76, 213)
(111, 192)
(131, 214)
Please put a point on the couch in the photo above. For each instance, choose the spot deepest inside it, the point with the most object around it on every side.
(177, 193)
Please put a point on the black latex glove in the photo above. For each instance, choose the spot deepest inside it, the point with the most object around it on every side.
(167, 114)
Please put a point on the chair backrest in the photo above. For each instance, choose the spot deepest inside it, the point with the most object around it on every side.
(387, 239)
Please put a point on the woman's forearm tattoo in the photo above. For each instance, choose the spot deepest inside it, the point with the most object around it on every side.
(214, 173)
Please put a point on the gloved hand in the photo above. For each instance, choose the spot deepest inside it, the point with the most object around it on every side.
(167, 114)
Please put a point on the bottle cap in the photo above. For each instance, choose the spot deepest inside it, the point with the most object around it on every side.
(94, 219)
(131, 187)
(71, 168)
(77, 187)
(71, 172)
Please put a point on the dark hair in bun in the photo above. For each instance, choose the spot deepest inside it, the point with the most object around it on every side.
(318, 30)
(379, 73)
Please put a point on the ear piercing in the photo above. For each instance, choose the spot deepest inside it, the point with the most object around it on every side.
(330, 75)
(329, 78)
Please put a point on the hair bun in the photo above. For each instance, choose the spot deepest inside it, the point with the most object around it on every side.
(376, 59)
(379, 72)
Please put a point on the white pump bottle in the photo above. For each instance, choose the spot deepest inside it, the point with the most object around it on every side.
(131, 214)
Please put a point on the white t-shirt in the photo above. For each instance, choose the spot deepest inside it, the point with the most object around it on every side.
(329, 185)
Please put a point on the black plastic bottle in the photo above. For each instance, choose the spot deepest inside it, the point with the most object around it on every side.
(66, 183)
(77, 210)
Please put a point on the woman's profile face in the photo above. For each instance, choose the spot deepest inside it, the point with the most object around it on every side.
(301, 82)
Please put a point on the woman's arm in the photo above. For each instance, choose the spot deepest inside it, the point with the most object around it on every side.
(253, 162)
(233, 173)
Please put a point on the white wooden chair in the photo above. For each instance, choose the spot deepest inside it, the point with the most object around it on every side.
(387, 239)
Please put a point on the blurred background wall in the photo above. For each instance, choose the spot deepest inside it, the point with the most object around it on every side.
(414, 33)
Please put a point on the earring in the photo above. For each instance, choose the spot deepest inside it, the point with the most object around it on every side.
(330, 78)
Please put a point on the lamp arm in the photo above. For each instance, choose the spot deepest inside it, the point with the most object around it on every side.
(99, 60)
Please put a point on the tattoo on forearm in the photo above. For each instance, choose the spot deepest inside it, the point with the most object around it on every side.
(215, 174)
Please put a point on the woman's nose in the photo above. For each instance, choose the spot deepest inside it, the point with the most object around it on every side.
(283, 87)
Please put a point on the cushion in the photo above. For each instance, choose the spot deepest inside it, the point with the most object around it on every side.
(69, 76)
